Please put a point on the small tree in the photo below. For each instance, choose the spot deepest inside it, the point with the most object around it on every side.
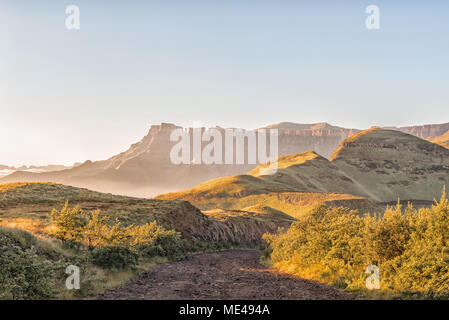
(69, 224)
(95, 230)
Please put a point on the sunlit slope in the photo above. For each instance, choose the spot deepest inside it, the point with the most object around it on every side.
(301, 182)
(305, 172)
(442, 140)
(309, 172)
(390, 165)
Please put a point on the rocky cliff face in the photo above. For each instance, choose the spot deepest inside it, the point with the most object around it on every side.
(425, 131)
(322, 138)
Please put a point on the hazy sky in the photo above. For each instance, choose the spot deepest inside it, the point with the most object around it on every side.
(69, 96)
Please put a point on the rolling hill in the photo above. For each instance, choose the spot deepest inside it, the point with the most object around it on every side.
(373, 167)
(301, 182)
(391, 165)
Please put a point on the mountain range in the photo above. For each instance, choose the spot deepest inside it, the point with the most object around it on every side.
(7, 170)
(145, 168)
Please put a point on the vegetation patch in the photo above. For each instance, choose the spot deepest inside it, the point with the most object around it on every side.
(106, 250)
(336, 245)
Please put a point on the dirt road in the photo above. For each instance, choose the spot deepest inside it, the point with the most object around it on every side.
(233, 274)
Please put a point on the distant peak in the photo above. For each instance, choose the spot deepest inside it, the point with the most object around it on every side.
(163, 126)
(375, 140)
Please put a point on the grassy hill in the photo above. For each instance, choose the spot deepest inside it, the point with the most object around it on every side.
(301, 182)
(368, 170)
(35, 200)
(27, 205)
(391, 165)
(309, 172)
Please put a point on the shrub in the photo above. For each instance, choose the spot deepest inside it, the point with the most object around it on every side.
(23, 274)
(411, 248)
(98, 231)
(69, 224)
(114, 257)
(325, 245)
(424, 265)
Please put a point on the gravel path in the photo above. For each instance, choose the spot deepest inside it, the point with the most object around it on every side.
(232, 274)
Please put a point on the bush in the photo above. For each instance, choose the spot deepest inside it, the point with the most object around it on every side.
(325, 245)
(69, 224)
(165, 244)
(411, 248)
(114, 257)
(23, 274)
(98, 231)
(424, 265)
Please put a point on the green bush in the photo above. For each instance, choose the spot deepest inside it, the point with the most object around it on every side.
(335, 245)
(325, 245)
(23, 274)
(150, 251)
(96, 231)
(171, 244)
(114, 257)
(165, 244)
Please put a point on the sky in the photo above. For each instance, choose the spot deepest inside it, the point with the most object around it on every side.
(72, 95)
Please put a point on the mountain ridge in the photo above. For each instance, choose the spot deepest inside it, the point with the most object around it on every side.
(145, 168)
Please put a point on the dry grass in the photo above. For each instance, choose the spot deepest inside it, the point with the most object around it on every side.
(286, 161)
(36, 227)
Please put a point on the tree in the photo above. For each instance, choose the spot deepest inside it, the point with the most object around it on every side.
(95, 229)
(69, 224)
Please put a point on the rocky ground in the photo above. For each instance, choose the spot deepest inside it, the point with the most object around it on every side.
(232, 274)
